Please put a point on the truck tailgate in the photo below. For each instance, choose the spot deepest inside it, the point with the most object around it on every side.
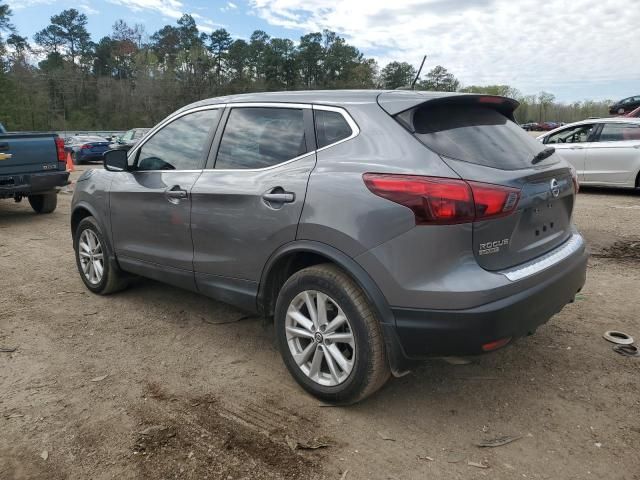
(27, 153)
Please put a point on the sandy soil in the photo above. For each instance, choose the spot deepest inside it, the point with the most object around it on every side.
(156, 382)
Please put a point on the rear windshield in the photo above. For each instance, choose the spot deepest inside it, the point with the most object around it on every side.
(475, 134)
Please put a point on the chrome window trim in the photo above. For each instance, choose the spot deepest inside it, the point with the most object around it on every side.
(134, 151)
(355, 130)
(571, 246)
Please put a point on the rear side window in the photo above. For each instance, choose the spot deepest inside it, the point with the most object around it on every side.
(331, 127)
(619, 132)
(259, 137)
(475, 134)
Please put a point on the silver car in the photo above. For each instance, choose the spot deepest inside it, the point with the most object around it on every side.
(376, 228)
(604, 151)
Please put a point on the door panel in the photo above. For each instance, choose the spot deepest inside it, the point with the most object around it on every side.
(151, 204)
(149, 221)
(612, 163)
(234, 228)
(250, 203)
(575, 154)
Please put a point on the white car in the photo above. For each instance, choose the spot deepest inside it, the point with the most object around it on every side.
(604, 151)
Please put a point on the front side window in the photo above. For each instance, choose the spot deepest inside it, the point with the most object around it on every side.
(259, 137)
(331, 127)
(578, 134)
(619, 132)
(179, 145)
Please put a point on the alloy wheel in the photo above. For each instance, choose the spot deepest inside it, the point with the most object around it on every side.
(320, 338)
(91, 256)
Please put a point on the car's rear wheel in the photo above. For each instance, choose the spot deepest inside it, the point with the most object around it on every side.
(99, 272)
(329, 336)
(44, 203)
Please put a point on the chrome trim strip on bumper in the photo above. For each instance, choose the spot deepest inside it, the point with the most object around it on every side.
(571, 246)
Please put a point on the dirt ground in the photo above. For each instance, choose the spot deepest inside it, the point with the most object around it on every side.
(159, 383)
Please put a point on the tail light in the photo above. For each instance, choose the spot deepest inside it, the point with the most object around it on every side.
(444, 201)
(60, 149)
(85, 147)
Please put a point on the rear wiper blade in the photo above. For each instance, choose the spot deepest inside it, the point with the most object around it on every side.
(546, 153)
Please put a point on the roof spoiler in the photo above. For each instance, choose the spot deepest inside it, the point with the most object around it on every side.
(397, 102)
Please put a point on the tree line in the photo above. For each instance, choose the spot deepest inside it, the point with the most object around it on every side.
(131, 78)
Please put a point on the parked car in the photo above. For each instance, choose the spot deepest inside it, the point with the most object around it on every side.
(530, 127)
(129, 139)
(32, 165)
(604, 151)
(376, 227)
(634, 113)
(84, 148)
(545, 126)
(625, 105)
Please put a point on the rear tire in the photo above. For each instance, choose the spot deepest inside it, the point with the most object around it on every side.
(364, 355)
(98, 270)
(44, 203)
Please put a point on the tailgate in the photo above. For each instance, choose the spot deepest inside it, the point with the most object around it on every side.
(27, 153)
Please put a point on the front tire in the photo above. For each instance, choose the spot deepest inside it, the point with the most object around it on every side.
(99, 272)
(44, 203)
(329, 336)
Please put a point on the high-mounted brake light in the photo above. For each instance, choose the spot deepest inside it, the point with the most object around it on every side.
(444, 201)
(60, 149)
(490, 100)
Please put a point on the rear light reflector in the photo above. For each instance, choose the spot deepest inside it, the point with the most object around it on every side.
(444, 201)
(60, 149)
(488, 347)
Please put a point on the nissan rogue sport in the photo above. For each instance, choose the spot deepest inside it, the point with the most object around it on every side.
(377, 228)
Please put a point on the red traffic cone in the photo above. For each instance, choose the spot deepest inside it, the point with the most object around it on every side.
(70, 167)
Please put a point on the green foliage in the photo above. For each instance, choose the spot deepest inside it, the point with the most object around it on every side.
(129, 79)
(397, 75)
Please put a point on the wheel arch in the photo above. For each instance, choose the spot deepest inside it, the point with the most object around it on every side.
(297, 255)
(83, 210)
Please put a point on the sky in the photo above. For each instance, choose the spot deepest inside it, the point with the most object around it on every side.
(576, 49)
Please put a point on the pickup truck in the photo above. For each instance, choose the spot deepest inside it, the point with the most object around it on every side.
(32, 165)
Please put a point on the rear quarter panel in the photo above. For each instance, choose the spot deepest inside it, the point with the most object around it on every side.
(339, 210)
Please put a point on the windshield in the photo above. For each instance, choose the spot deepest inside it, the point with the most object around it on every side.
(475, 134)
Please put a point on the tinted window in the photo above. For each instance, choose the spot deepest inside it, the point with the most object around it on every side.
(261, 137)
(331, 127)
(475, 134)
(619, 132)
(180, 145)
(577, 134)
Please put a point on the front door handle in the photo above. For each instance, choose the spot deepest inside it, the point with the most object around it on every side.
(176, 193)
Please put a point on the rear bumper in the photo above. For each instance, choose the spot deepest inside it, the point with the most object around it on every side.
(32, 183)
(424, 333)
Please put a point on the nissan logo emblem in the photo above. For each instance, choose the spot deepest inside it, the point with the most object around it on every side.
(555, 188)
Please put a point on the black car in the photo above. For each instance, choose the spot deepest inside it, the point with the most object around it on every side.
(625, 105)
(129, 139)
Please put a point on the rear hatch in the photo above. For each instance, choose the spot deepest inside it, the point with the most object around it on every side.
(477, 137)
(27, 153)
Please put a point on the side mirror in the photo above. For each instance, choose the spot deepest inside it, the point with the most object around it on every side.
(115, 160)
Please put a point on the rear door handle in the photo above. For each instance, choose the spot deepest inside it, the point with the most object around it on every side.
(286, 197)
(176, 193)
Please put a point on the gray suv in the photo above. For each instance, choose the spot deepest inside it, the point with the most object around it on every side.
(377, 228)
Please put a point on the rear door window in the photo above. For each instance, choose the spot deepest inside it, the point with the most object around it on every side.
(619, 132)
(475, 134)
(260, 137)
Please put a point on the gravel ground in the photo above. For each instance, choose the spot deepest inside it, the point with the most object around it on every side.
(156, 382)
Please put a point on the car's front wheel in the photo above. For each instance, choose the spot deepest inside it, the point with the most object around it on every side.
(99, 272)
(329, 336)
